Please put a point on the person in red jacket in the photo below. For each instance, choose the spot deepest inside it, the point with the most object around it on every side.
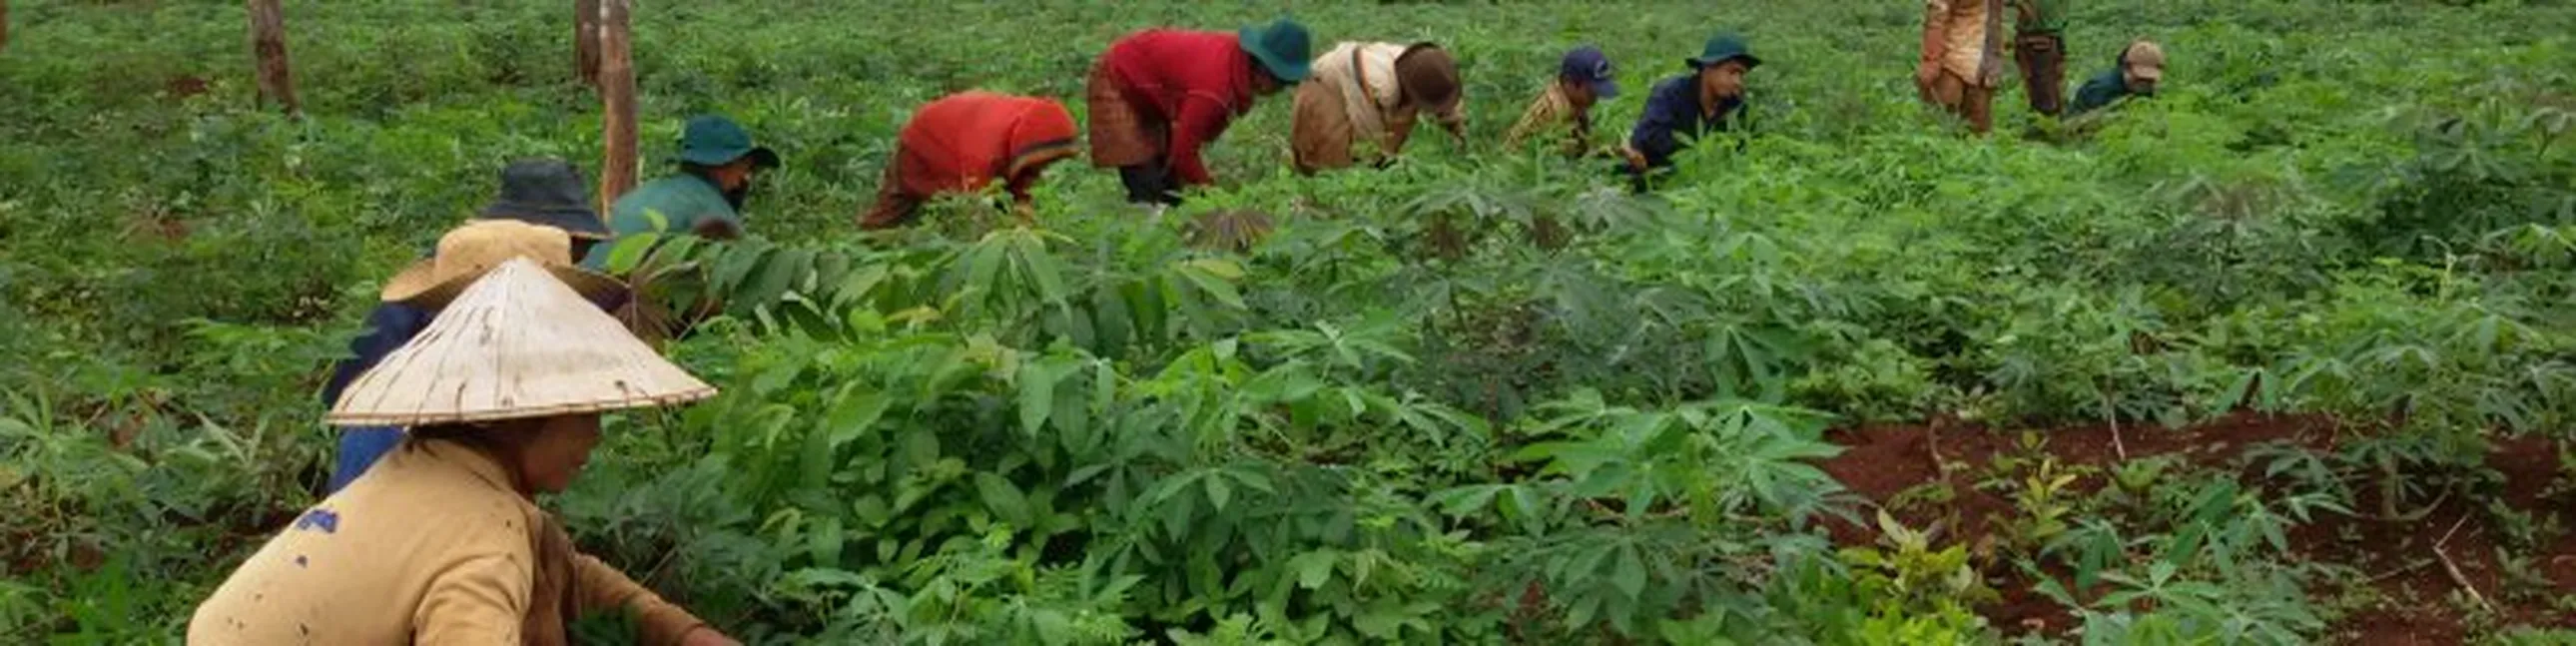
(1159, 95)
(962, 143)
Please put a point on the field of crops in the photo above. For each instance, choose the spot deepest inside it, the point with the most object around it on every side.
(2285, 355)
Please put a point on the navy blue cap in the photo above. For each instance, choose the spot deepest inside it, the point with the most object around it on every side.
(1589, 65)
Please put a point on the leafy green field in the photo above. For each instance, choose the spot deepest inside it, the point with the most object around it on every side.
(1483, 396)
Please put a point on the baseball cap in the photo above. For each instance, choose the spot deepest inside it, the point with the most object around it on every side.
(1589, 65)
(2144, 60)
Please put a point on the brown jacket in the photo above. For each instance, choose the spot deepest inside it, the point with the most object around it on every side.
(1966, 38)
(432, 546)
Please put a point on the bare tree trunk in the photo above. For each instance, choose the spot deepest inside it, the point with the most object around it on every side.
(585, 40)
(617, 96)
(4, 24)
(268, 47)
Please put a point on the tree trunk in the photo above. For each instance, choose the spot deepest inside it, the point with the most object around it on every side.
(268, 47)
(4, 24)
(617, 96)
(585, 40)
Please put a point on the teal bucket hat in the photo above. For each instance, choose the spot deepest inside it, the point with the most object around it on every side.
(1725, 47)
(712, 140)
(1282, 47)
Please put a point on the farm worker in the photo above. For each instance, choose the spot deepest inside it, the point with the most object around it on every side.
(962, 143)
(1962, 46)
(717, 161)
(1564, 110)
(2140, 67)
(443, 542)
(1708, 100)
(547, 198)
(1372, 92)
(1160, 95)
(2039, 49)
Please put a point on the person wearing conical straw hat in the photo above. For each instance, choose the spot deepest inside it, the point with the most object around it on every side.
(443, 542)
(549, 204)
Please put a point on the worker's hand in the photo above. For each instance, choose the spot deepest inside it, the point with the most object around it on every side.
(1636, 160)
(1027, 212)
(1925, 74)
(705, 636)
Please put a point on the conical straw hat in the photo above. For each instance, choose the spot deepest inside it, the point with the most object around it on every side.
(517, 344)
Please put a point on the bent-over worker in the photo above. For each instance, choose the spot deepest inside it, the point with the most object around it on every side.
(717, 162)
(2137, 72)
(1159, 96)
(1364, 93)
(1708, 100)
(963, 143)
(1563, 111)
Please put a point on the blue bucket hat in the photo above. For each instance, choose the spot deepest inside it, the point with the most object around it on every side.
(1725, 47)
(712, 140)
(1589, 65)
(1281, 46)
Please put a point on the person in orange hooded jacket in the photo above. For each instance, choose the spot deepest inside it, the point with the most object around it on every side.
(963, 143)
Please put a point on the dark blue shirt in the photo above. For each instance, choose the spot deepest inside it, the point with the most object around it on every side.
(1672, 113)
(389, 326)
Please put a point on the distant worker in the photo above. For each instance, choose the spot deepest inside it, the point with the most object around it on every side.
(1563, 112)
(1371, 93)
(1159, 96)
(1962, 59)
(717, 162)
(2139, 69)
(543, 211)
(1708, 100)
(2039, 49)
(967, 141)
(443, 541)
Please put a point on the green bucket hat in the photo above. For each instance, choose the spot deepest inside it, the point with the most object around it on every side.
(712, 140)
(1281, 46)
(1722, 48)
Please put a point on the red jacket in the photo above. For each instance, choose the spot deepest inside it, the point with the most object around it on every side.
(1195, 82)
(967, 140)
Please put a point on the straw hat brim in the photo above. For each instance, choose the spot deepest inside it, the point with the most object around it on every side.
(517, 344)
(418, 285)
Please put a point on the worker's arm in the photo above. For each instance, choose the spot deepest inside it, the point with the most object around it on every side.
(604, 589)
(717, 228)
(1203, 117)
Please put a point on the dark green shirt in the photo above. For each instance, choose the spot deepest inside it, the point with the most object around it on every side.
(2099, 91)
(2037, 17)
(683, 201)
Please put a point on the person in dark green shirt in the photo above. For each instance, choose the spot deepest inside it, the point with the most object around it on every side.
(717, 161)
(2141, 67)
(2039, 49)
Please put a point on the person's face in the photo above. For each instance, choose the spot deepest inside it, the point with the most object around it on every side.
(1579, 93)
(1263, 84)
(557, 451)
(2140, 86)
(736, 175)
(1723, 80)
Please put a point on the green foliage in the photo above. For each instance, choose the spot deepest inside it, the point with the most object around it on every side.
(1472, 397)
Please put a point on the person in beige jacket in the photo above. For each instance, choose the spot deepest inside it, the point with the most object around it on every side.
(1962, 58)
(442, 542)
(1372, 92)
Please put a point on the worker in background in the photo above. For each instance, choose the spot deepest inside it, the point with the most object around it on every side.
(2039, 49)
(967, 141)
(1160, 96)
(717, 162)
(1962, 47)
(1680, 109)
(1563, 112)
(1364, 98)
(2140, 67)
